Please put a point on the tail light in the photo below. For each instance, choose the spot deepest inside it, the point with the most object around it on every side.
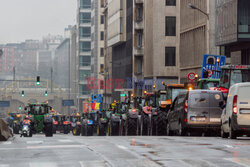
(235, 104)
(186, 106)
(55, 122)
(185, 120)
(134, 110)
(78, 123)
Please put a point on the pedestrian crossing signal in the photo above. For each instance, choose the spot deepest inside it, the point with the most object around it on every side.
(22, 93)
(46, 93)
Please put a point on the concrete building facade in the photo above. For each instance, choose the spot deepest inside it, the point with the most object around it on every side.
(233, 30)
(197, 35)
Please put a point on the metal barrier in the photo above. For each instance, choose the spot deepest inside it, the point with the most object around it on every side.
(5, 132)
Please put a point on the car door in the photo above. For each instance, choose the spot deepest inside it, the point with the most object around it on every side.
(215, 111)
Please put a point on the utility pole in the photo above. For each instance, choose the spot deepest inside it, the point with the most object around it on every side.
(14, 73)
(51, 79)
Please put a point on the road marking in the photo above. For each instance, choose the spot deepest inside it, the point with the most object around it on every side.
(7, 142)
(122, 147)
(55, 146)
(34, 142)
(228, 146)
(81, 163)
(65, 140)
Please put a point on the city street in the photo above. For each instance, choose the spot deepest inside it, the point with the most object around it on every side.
(68, 150)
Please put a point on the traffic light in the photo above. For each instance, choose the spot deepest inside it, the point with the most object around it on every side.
(20, 107)
(46, 93)
(22, 93)
(38, 80)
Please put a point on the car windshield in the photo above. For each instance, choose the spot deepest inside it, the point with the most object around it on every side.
(206, 84)
(38, 110)
(231, 77)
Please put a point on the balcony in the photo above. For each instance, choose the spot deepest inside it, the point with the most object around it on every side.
(139, 1)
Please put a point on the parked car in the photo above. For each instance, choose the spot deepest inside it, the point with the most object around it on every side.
(195, 111)
(235, 119)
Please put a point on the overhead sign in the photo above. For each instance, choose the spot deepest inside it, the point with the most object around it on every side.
(68, 102)
(212, 64)
(4, 103)
(191, 76)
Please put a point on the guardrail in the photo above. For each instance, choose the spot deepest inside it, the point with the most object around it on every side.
(5, 132)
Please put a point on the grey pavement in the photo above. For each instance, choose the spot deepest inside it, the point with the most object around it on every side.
(139, 151)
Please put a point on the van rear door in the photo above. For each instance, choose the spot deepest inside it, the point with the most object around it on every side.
(198, 108)
(243, 105)
(215, 111)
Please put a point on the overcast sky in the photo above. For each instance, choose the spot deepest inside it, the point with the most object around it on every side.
(33, 19)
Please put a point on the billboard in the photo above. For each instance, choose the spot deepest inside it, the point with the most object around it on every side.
(68, 102)
(4, 103)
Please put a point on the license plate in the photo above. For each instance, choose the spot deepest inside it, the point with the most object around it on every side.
(214, 119)
(245, 111)
(198, 119)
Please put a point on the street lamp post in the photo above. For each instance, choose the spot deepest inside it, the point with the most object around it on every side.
(191, 6)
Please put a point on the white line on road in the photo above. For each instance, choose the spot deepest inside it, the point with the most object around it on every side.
(65, 140)
(81, 163)
(55, 146)
(7, 142)
(228, 146)
(122, 147)
(34, 142)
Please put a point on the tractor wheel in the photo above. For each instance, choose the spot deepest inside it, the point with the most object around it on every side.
(131, 127)
(89, 131)
(154, 125)
(145, 124)
(161, 123)
(48, 130)
(102, 129)
(83, 130)
(115, 129)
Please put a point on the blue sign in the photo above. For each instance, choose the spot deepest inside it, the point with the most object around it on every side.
(68, 102)
(96, 98)
(4, 103)
(212, 64)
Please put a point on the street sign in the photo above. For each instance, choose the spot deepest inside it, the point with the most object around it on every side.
(212, 64)
(4, 103)
(68, 102)
(191, 76)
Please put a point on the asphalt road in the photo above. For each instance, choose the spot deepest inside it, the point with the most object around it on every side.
(79, 151)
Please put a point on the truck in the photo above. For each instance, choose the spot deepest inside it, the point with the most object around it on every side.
(41, 120)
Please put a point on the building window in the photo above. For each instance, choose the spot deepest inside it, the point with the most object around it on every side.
(121, 26)
(85, 17)
(139, 39)
(139, 66)
(102, 35)
(84, 74)
(170, 2)
(139, 13)
(85, 32)
(170, 26)
(101, 68)
(102, 19)
(101, 52)
(170, 56)
(85, 60)
(102, 3)
(85, 46)
(244, 19)
(84, 90)
(85, 4)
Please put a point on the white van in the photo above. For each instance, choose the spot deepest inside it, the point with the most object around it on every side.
(235, 118)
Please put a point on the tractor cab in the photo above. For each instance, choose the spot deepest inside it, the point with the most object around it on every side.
(232, 74)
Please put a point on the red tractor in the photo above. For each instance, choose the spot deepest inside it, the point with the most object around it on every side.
(149, 114)
(232, 74)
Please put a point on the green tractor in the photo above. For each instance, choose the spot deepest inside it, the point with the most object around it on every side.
(41, 121)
